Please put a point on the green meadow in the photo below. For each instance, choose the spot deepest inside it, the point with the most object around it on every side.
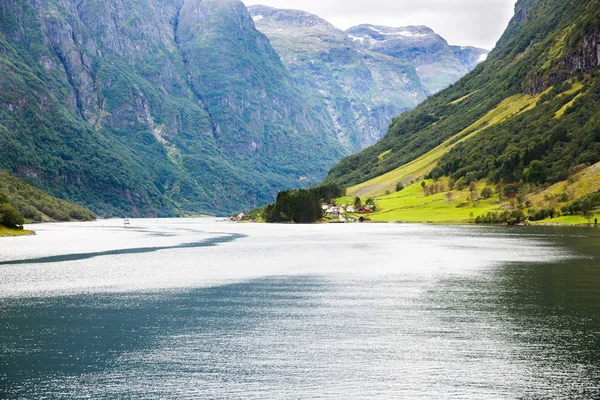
(412, 204)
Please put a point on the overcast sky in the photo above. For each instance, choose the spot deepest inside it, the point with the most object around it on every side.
(462, 22)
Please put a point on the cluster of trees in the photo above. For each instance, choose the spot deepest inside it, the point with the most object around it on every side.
(10, 217)
(299, 206)
(433, 188)
(584, 205)
(506, 217)
(540, 215)
(302, 206)
(326, 193)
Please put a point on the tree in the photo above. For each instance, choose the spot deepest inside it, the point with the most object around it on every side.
(357, 202)
(536, 172)
(10, 217)
(399, 187)
(510, 190)
(460, 184)
(449, 196)
(486, 193)
(423, 184)
(500, 188)
(586, 209)
(328, 192)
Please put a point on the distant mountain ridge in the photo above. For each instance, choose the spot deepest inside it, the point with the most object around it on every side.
(437, 63)
(364, 77)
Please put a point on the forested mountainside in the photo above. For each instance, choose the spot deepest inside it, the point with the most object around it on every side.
(153, 107)
(366, 75)
(530, 112)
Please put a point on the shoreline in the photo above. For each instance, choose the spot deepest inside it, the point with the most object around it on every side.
(6, 232)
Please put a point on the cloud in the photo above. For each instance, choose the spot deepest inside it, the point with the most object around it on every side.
(464, 22)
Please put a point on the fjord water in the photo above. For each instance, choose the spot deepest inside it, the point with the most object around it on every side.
(181, 309)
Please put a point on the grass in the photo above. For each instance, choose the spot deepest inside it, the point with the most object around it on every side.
(564, 108)
(460, 100)
(7, 232)
(385, 153)
(412, 205)
(421, 166)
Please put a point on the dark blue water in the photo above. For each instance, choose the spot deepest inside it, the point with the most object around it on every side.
(379, 311)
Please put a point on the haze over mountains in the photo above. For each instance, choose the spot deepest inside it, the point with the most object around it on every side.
(170, 107)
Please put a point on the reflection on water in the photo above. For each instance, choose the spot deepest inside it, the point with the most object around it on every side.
(345, 311)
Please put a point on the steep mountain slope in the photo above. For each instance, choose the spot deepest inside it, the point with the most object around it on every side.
(437, 64)
(153, 107)
(362, 90)
(533, 105)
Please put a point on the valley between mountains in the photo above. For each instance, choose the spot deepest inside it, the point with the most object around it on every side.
(187, 107)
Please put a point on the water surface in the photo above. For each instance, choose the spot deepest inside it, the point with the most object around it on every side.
(185, 309)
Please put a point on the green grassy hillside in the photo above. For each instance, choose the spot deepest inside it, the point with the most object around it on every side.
(441, 201)
(418, 168)
(548, 53)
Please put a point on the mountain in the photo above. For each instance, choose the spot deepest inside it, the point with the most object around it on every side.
(362, 90)
(364, 79)
(437, 63)
(153, 107)
(182, 107)
(530, 113)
